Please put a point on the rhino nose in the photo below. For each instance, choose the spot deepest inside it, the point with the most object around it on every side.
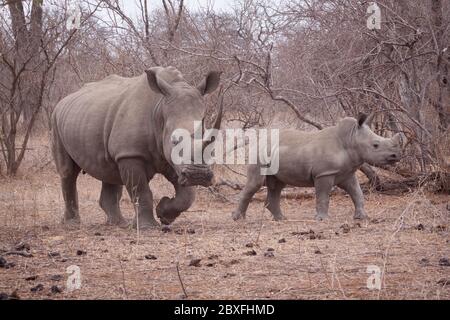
(393, 157)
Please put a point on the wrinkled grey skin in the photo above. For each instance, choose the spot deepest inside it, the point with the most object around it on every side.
(322, 160)
(119, 130)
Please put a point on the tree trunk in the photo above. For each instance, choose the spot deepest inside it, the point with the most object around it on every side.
(442, 101)
(26, 79)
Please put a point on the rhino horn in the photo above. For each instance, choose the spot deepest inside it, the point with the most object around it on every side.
(217, 122)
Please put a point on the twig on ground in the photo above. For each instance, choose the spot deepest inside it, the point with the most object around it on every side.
(124, 288)
(181, 281)
(18, 253)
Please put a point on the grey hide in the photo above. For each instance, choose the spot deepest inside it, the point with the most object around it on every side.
(118, 130)
(322, 160)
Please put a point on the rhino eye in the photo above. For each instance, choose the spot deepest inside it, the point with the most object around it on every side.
(376, 145)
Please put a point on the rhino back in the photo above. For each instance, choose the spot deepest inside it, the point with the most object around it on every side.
(305, 156)
(105, 121)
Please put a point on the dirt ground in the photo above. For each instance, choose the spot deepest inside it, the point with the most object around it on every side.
(406, 238)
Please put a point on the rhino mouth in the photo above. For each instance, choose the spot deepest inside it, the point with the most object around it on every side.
(391, 161)
(195, 175)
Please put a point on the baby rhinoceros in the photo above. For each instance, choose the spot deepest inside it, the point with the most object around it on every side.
(322, 159)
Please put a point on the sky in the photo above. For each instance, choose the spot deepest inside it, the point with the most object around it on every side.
(217, 5)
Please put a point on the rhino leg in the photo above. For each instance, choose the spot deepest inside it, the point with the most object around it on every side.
(254, 182)
(274, 187)
(70, 194)
(168, 209)
(352, 187)
(134, 176)
(323, 186)
(68, 171)
(109, 202)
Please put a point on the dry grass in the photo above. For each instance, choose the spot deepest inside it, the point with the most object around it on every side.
(331, 264)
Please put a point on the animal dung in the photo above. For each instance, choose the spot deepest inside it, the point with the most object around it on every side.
(424, 262)
(166, 229)
(2, 262)
(195, 262)
(420, 227)
(54, 254)
(81, 253)
(250, 253)
(6, 265)
(233, 262)
(345, 228)
(55, 289)
(37, 288)
(444, 262)
(56, 277)
(438, 228)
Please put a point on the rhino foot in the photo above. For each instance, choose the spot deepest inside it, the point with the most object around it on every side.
(360, 216)
(146, 224)
(237, 215)
(322, 216)
(73, 222)
(279, 217)
(117, 221)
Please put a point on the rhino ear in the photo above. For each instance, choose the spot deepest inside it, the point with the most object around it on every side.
(156, 83)
(365, 119)
(398, 138)
(210, 83)
(370, 119)
(362, 117)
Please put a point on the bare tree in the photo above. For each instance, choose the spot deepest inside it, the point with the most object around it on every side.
(32, 41)
(306, 63)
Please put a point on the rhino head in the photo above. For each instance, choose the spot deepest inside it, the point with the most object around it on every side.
(181, 106)
(372, 148)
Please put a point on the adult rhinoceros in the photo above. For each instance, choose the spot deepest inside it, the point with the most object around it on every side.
(119, 130)
(322, 159)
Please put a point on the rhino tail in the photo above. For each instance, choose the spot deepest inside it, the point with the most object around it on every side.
(64, 163)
